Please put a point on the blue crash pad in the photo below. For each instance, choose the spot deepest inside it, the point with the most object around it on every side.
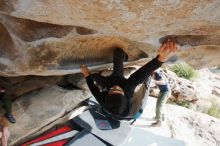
(85, 138)
(116, 136)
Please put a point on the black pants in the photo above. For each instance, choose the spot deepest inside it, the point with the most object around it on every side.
(118, 70)
(7, 105)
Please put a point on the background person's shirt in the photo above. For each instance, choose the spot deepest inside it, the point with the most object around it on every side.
(164, 87)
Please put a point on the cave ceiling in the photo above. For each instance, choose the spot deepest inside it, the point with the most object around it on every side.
(53, 37)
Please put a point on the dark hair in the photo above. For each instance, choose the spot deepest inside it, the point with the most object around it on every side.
(116, 104)
(1, 87)
(157, 75)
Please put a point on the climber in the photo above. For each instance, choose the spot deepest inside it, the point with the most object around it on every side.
(4, 131)
(160, 80)
(116, 93)
(7, 105)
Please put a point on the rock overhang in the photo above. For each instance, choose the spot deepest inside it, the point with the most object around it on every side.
(55, 37)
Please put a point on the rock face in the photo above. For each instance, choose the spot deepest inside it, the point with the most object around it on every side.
(54, 37)
(193, 127)
(208, 89)
(35, 110)
(182, 89)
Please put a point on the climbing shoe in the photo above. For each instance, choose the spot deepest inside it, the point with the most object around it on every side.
(156, 124)
(10, 118)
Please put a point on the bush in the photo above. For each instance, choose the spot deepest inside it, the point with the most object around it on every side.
(185, 71)
(214, 110)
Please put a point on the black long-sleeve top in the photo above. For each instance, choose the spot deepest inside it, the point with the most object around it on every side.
(128, 85)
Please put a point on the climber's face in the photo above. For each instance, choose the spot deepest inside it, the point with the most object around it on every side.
(116, 90)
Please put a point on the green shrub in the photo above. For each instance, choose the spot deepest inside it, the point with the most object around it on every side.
(214, 110)
(185, 71)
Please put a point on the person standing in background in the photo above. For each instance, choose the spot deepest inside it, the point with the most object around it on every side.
(160, 80)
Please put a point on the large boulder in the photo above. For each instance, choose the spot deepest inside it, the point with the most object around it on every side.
(52, 38)
(18, 86)
(55, 37)
(38, 109)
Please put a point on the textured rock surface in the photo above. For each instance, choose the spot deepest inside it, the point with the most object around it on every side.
(182, 89)
(53, 37)
(18, 86)
(193, 127)
(37, 109)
